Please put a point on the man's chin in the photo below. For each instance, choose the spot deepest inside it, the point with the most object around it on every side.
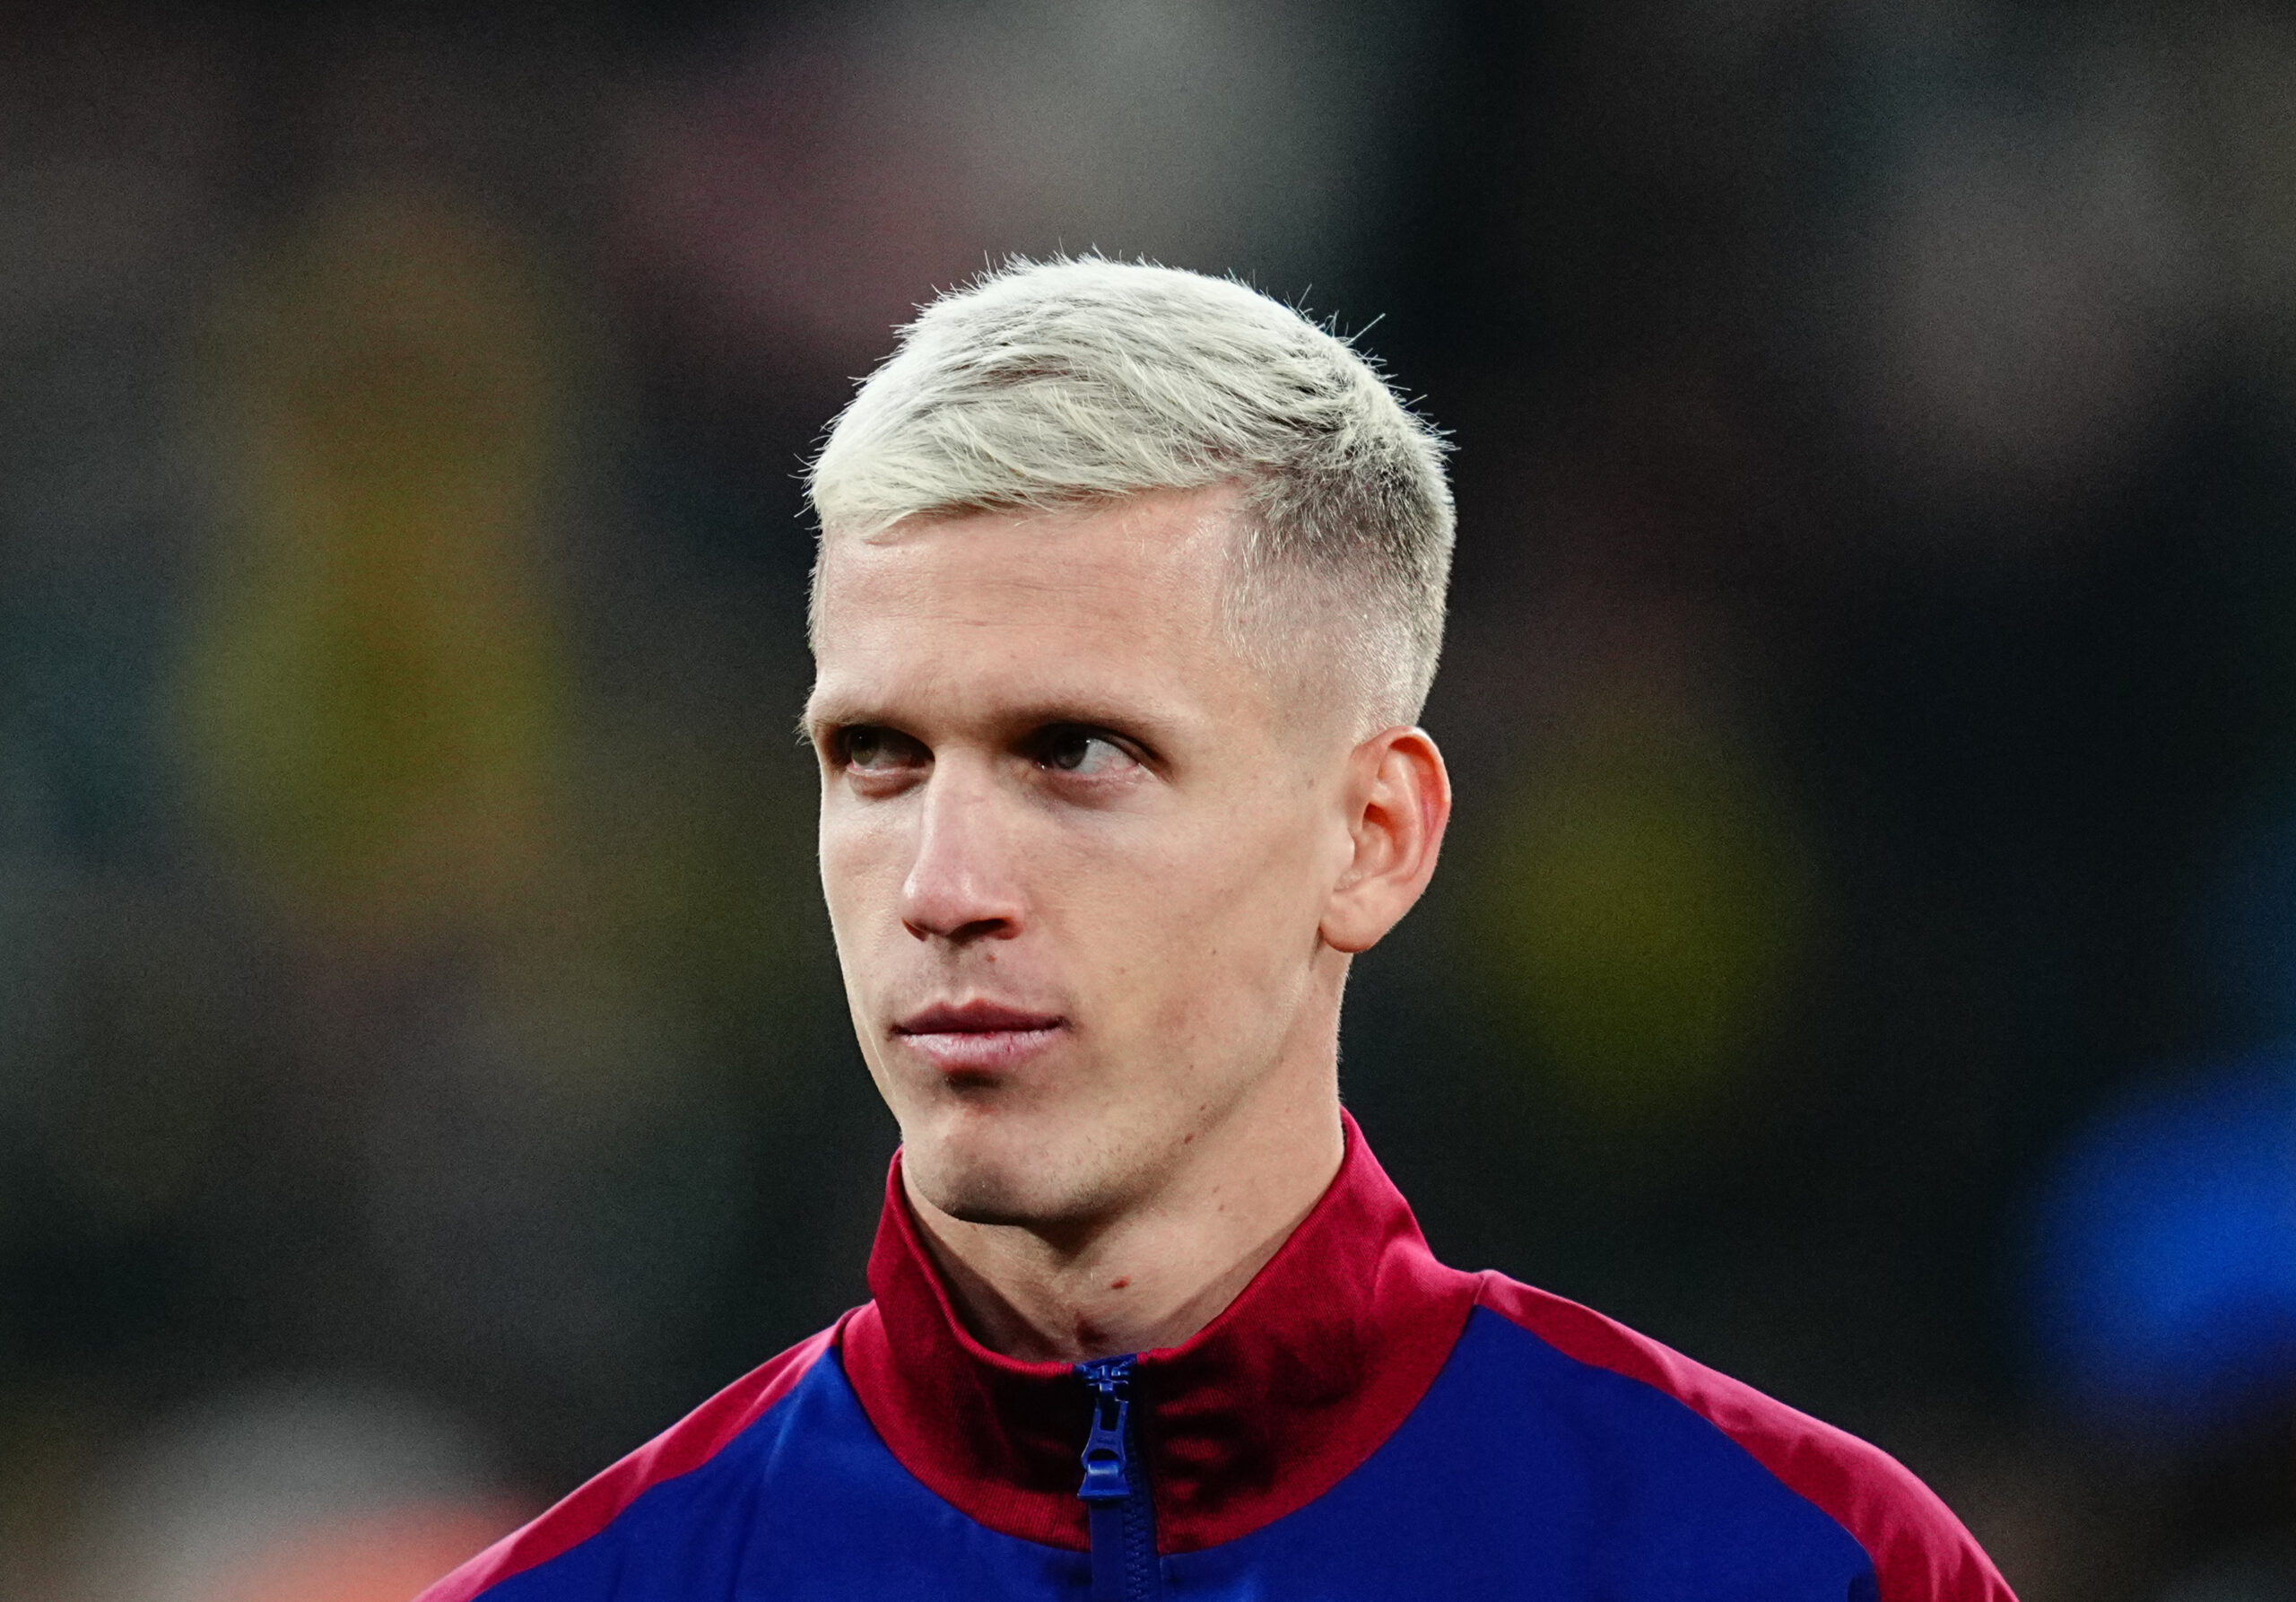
(977, 1191)
(1001, 1177)
(1001, 1208)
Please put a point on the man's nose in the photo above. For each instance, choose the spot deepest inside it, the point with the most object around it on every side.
(963, 883)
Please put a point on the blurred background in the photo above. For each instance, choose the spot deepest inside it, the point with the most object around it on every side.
(1865, 956)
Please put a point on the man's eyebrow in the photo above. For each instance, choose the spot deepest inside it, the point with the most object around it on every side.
(843, 709)
(1145, 723)
(1151, 725)
(825, 712)
(1085, 710)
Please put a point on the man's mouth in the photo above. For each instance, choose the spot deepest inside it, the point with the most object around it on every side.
(974, 1036)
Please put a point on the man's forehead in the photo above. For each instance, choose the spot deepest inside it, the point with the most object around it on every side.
(994, 617)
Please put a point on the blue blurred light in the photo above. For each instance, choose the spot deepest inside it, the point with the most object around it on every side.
(2166, 1251)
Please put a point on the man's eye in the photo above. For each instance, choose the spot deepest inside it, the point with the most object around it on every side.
(875, 749)
(1080, 751)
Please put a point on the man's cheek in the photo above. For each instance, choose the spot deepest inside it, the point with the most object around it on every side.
(855, 877)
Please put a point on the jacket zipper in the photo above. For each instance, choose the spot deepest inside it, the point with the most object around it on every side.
(1115, 1490)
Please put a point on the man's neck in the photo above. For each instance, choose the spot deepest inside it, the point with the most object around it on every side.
(1151, 1275)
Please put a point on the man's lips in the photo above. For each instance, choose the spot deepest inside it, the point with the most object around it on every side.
(977, 1035)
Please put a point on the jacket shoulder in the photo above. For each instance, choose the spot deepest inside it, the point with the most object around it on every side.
(1919, 1550)
(683, 1448)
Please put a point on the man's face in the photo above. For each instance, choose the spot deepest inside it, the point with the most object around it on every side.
(1076, 849)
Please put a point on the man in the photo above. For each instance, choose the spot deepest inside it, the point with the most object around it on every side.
(1130, 588)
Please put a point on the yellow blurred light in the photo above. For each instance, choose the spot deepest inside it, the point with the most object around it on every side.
(372, 699)
(1636, 918)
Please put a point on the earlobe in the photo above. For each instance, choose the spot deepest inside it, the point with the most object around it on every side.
(1399, 801)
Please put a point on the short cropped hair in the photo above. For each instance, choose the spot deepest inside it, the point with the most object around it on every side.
(1045, 386)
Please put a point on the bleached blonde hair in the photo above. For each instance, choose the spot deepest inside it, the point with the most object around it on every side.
(1050, 385)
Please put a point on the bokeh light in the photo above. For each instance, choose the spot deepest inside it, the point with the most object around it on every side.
(2167, 1252)
(1637, 916)
(314, 1492)
(374, 697)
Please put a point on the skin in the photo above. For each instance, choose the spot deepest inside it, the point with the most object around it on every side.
(1096, 881)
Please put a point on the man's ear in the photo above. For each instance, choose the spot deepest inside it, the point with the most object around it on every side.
(1399, 799)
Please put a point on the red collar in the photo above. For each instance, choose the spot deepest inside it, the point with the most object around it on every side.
(1323, 1354)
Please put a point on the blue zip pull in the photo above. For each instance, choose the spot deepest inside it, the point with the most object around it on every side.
(1107, 1454)
(1123, 1514)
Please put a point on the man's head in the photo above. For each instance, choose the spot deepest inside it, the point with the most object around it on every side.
(1129, 581)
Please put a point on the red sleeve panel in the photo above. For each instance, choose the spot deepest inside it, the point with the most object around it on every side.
(678, 1450)
(1919, 1550)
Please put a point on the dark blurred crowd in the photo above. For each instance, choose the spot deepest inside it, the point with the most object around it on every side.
(1864, 957)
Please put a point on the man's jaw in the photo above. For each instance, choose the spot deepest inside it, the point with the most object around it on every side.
(976, 1038)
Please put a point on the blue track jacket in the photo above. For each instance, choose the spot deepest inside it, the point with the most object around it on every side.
(1361, 1423)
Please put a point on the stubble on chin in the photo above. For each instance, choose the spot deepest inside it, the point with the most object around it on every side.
(1014, 1185)
(991, 1192)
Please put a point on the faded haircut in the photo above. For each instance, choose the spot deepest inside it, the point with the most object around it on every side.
(1046, 386)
